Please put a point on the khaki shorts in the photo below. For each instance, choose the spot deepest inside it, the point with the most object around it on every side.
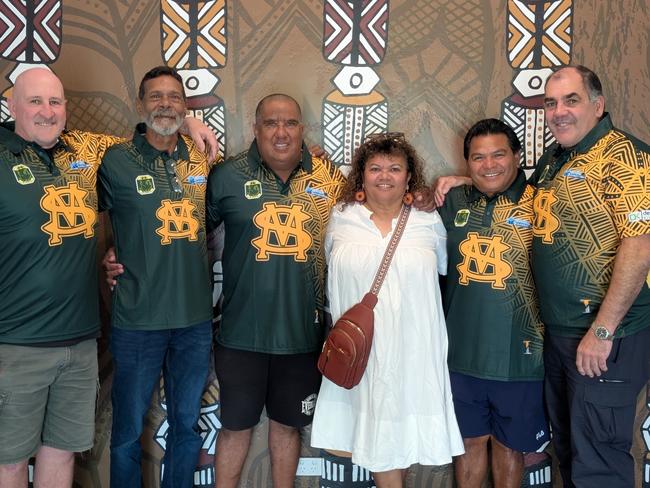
(47, 397)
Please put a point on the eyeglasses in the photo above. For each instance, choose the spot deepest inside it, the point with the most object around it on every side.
(170, 169)
(385, 136)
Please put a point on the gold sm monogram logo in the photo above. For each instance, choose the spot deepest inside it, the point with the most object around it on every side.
(69, 213)
(483, 260)
(178, 221)
(545, 223)
(283, 231)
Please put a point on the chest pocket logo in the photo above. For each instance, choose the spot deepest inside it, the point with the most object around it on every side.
(483, 260)
(283, 231)
(178, 221)
(69, 213)
(545, 223)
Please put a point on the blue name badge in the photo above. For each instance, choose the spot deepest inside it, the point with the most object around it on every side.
(315, 192)
(524, 224)
(197, 180)
(574, 174)
(79, 165)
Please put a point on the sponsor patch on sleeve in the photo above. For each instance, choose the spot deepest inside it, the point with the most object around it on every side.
(639, 216)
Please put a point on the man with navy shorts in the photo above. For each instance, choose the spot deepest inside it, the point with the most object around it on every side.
(495, 332)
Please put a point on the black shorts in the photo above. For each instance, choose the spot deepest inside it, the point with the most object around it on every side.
(286, 384)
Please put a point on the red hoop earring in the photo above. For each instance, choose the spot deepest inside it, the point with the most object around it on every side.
(360, 196)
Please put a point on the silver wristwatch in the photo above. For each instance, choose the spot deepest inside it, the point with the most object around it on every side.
(602, 332)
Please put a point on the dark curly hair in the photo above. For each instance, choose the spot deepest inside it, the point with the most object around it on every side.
(390, 144)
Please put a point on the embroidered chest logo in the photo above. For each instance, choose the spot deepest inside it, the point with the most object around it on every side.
(69, 213)
(283, 231)
(545, 222)
(483, 260)
(178, 221)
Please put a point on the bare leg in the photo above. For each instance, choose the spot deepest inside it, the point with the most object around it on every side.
(13, 475)
(284, 444)
(507, 466)
(471, 467)
(232, 449)
(389, 479)
(54, 468)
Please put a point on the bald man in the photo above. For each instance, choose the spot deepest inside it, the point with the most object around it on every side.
(49, 318)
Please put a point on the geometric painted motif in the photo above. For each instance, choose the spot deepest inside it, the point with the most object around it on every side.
(193, 33)
(539, 33)
(539, 472)
(214, 117)
(346, 125)
(355, 33)
(209, 427)
(30, 31)
(530, 127)
(538, 37)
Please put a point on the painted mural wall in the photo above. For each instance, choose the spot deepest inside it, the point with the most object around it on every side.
(426, 68)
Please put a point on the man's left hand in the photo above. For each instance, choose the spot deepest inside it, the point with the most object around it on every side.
(592, 354)
(423, 200)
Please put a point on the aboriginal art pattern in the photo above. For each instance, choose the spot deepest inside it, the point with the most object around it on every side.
(435, 65)
(193, 33)
(31, 30)
(194, 41)
(539, 37)
(355, 36)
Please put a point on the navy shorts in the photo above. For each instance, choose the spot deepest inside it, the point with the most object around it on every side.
(511, 411)
(286, 384)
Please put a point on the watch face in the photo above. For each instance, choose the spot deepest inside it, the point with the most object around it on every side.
(601, 332)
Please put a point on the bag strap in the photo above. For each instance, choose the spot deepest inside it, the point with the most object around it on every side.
(390, 250)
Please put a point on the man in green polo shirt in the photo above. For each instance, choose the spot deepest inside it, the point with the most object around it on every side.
(274, 200)
(591, 256)
(495, 333)
(49, 315)
(154, 188)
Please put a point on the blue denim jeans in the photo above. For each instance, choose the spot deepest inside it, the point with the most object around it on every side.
(183, 355)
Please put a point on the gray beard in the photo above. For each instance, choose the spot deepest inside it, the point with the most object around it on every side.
(166, 130)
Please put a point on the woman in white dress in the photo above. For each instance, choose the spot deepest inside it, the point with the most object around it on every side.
(401, 413)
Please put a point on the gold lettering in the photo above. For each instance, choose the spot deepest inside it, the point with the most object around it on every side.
(177, 221)
(483, 260)
(283, 231)
(545, 223)
(69, 213)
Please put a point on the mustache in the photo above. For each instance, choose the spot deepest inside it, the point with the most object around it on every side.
(165, 112)
(564, 119)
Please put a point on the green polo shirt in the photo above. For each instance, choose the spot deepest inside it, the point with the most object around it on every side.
(159, 234)
(273, 260)
(490, 301)
(589, 197)
(48, 223)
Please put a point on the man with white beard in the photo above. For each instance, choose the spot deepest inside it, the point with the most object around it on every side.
(154, 188)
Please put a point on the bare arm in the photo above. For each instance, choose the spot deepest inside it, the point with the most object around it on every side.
(202, 135)
(630, 272)
(443, 184)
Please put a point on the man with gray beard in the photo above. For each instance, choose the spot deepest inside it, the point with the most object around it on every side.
(154, 189)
